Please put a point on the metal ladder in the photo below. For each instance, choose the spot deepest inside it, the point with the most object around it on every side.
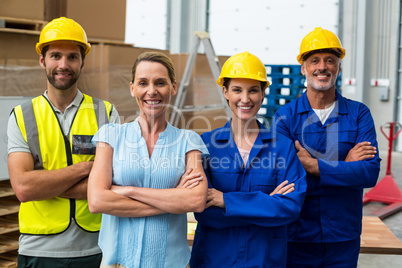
(213, 61)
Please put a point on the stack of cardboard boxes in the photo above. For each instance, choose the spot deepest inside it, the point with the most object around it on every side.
(107, 71)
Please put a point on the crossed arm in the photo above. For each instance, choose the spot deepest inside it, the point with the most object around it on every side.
(360, 151)
(35, 185)
(215, 197)
(131, 201)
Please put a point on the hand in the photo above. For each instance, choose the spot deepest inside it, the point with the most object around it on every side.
(215, 198)
(189, 180)
(361, 151)
(283, 188)
(310, 164)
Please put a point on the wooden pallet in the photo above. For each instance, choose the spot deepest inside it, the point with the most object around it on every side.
(9, 229)
(23, 24)
(9, 223)
(18, 25)
(9, 205)
(9, 242)
(5, 189)
(9, 259)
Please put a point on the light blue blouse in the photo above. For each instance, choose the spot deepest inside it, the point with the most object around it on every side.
(154, 241)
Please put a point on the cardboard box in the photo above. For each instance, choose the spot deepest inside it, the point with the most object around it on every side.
(101, 19)
(107, 75)
(20, 73)
(24, 9)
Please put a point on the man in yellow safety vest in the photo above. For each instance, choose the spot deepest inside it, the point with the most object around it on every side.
(50, 156)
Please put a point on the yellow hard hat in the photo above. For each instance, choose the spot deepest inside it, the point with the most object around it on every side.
(63, 29)
(320, 40)
(243, 65)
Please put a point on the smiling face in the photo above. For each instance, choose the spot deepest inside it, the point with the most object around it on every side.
(63, 64)
(152, 89)
(321, 71)
(245, 97)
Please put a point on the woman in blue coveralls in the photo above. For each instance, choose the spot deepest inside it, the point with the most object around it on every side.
(256, 182)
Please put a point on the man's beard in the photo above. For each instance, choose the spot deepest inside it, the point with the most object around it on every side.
(62, 85)
(315, 85)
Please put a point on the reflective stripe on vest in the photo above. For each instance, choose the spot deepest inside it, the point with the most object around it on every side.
(52, 150)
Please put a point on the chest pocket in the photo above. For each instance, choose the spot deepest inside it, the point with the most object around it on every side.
(347, 140)
(265, 182)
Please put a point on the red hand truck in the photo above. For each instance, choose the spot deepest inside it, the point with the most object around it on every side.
(387, 191)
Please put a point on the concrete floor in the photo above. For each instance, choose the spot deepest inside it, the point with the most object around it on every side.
(393, 222)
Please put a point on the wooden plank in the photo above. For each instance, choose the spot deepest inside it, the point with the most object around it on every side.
(23, 21)
(9, 242)
(4, 191)
(10, 256)
(376, 238)
(8, 264)
(108, 42)
(9, 223)
(9, 205)
(19, 31)
(9, 259)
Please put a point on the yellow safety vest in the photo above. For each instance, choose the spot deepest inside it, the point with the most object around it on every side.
(52, 150)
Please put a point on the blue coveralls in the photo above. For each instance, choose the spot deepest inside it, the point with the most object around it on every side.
(251, 231)
(332, 211)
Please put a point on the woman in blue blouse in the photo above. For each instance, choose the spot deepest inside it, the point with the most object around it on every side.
(136, 177)
(257, 183)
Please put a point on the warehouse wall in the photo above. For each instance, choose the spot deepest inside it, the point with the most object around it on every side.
(377, 57)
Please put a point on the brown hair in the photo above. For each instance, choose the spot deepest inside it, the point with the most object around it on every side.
(226, 83)
(155, 57)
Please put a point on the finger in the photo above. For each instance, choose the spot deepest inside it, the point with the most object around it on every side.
(298, 145)
(193, 176)
(364, 157)
(364, 143)
(278, 187)
(192, 185)
(184, 180)
(289, 190)
(192, 181)
(366, 148)
(287, 187)
(188, 171)
(209, 194)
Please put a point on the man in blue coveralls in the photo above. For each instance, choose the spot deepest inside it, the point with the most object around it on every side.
(336, 142)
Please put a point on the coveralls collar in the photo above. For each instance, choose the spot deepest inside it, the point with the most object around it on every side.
(341, 106)
(225, 134)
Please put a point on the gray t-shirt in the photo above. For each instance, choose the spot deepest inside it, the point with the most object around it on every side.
(73, 242)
